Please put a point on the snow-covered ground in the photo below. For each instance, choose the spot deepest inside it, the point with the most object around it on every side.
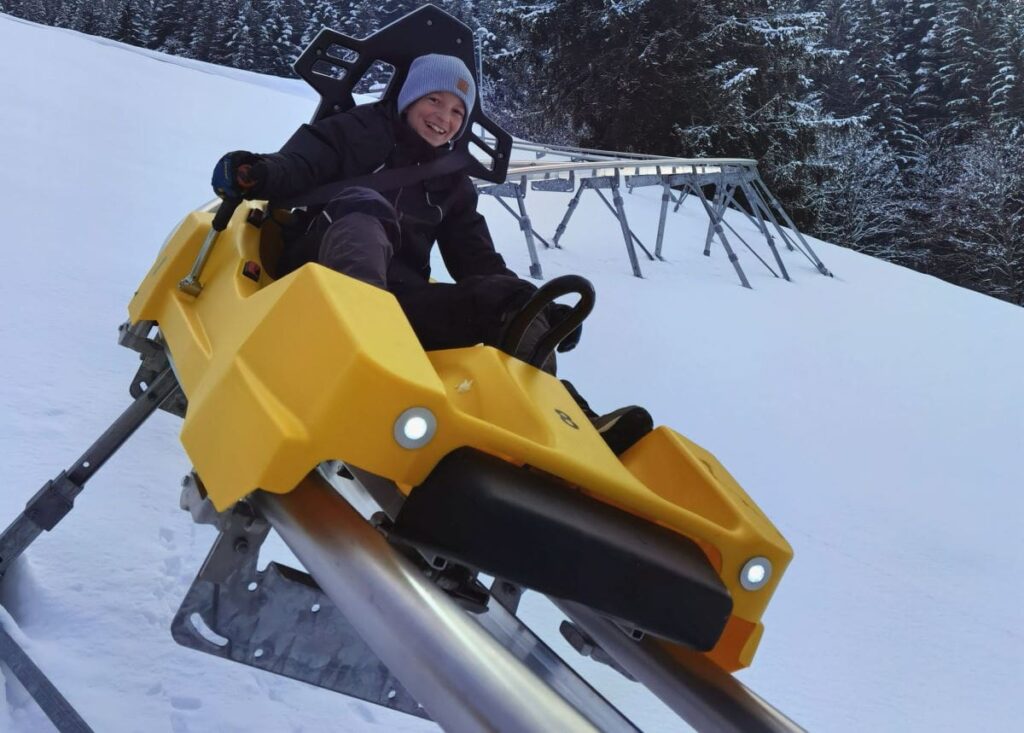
(877, 417)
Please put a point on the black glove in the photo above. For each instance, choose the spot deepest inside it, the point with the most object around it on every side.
(236, 175)
(557, 312)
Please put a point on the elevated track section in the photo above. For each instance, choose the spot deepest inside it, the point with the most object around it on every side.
(718, 184)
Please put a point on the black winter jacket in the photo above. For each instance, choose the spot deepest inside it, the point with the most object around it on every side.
(373, 136)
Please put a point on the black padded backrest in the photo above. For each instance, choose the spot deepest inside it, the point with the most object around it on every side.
(334, 63)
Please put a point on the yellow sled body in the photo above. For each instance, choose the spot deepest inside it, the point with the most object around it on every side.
(281, 375)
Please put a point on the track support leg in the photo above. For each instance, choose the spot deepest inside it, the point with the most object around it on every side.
(64, 717)
(666, 195)
(57, 497)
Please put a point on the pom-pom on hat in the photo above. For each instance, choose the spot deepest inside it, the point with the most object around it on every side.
(437, 73)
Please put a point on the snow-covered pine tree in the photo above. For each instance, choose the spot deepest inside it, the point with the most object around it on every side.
(1006, 88)
(167, 32)
(981, 220)
(967, 64)
(319, 14)
(207, 36)
(833, 77)
(856, 196)
(134, 23)
(243, 33)
(39, 11)
(276, 48)
(874, 86)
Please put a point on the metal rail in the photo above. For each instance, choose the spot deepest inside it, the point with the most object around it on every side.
(464, 678)
(596, 154)
(653, 166)
(701, 693)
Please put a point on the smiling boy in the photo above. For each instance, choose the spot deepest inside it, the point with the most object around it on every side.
(385, 237)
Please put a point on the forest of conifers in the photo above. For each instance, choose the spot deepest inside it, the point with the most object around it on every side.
(894, 127)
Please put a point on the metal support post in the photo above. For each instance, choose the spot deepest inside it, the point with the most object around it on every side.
(724, 201)
(573, 203)
(518, 191)
(789, 222)
(751, 195)
(64, 717)
(770, 215)
(615, 211)
(711, 221)
(665, 196)
(620, 212)
(52, 502)
(524, 224)
(716, 227)
(736, 205)
(533, 232)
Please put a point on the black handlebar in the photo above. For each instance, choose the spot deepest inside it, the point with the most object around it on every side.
(545, 295)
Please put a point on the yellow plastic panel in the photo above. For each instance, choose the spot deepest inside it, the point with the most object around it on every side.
(694, 481)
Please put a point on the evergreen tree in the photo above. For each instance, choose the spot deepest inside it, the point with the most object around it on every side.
(276, 49)
(39, 11)
(856, 197)
(981, 186)
(320, 14)
(134, 23)
(208, 36)
(66, 14)
(967, 64)
(244, 37)
(1006, 88)
(926, 108)
(836, 90)
(875, 86)
(175, 23)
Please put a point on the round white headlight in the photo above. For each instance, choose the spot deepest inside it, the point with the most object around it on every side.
(756, 573)
(415, 427)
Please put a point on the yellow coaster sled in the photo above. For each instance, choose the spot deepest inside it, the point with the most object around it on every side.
(496, 465)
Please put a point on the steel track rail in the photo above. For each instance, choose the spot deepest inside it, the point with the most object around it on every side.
(545, 149)
(463, 677)
(702, 694)
(625, 166)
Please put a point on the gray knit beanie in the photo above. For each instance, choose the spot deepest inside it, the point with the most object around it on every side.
(437, 73)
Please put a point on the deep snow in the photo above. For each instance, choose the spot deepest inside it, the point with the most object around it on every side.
(877, 418)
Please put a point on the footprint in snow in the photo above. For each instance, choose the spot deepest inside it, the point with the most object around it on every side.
(186, 703)
(172, 566)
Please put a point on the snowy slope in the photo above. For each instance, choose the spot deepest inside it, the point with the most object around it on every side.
(877, 417)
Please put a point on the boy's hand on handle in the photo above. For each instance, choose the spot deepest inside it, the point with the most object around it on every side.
(235, 175)
(557, 312)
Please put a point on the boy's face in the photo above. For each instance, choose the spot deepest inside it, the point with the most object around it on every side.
(436, 117)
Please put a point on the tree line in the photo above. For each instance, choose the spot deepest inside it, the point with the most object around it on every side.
(890, 126)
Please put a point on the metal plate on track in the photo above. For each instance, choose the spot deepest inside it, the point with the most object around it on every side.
(280, 621)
